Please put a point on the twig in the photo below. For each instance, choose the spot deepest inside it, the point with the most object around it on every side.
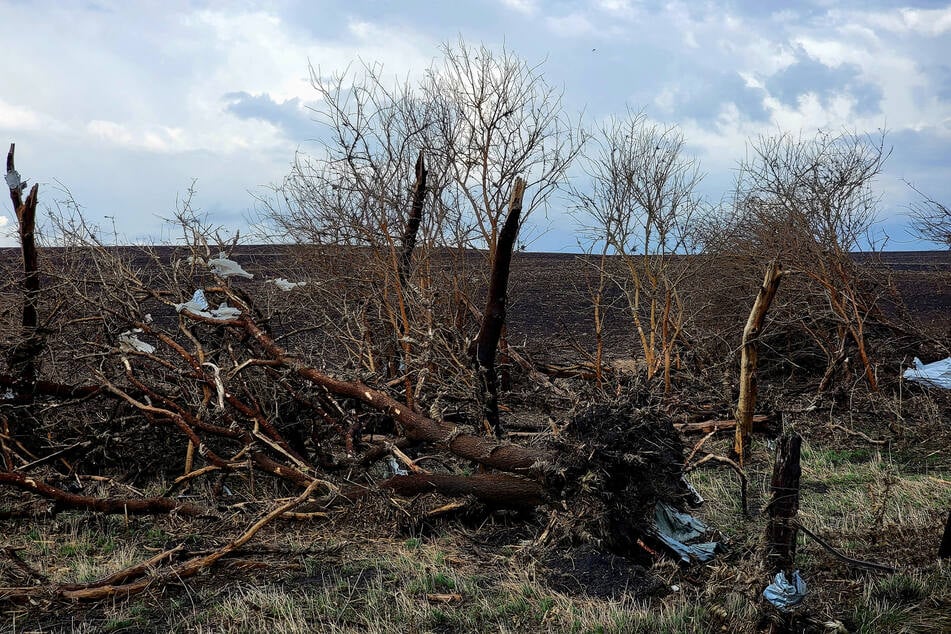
(857, 563)
(192, 566)
(697, 447)
(739, 472)
(852, 432)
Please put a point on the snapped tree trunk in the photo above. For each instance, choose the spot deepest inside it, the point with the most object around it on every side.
(407, 246)
(487, 341)
(747, 399)
(23, 356)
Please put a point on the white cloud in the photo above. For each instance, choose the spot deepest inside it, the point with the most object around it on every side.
(17, 117)
(153, 139)
(623, 8)
(571, 25)
(928, 22)
(528, 7)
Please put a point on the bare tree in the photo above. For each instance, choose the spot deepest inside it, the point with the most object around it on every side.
(503, 121)
(640, 202)
(480, 119)
(930, 219)
(808, 202)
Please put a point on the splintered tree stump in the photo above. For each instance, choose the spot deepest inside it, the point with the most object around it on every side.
(781, 529)
(746, 402)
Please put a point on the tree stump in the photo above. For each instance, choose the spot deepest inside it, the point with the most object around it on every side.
(781, 529)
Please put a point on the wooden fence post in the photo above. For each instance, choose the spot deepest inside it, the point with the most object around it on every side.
(781, 529)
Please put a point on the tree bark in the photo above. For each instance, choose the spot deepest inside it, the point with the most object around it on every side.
(781, 529)
(496, 489)
(748, 388)
(417, 428)
(132, 506)
(408, 243)
(24, 354)
(487, 342)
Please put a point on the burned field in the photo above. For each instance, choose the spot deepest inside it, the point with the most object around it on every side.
(263, 470)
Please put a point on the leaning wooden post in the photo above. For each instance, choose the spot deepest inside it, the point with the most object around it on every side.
(747, 400)
(781, 529)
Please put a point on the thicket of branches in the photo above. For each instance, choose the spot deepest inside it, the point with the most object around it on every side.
(403, 227)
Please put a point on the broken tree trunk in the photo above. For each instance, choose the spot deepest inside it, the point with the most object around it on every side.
(412, 222)
(22, 359)
(747, 399)
(781, 529)
(487, 341)
(403, 262)
(418, 428)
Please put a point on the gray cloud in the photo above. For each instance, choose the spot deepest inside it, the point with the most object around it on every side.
(291, 116)
(809, 75)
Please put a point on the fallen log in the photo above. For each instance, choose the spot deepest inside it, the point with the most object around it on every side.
(131, 506)
(418, 428)
(495, 489)
(708, 426)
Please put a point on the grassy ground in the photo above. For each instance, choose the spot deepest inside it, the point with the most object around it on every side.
(878, 502)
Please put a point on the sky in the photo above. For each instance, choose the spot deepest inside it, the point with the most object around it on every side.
(125, 104)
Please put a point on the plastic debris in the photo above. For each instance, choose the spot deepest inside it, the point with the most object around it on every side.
(695, 498)
(8, 394)
(225, 312)
(14, 182)
(675, 529)
(286, 285)
(197, 304)
(130, 342)
(225, 267)
(395, 468)
(937, 374)
(784, 593)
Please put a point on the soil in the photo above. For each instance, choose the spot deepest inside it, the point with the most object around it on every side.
(629, 450)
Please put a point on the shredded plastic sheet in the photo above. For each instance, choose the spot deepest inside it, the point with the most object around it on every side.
(224, 267)
(13, 180)
(675, 529)
(937, 374)
(225, 312)
(784, 593)
(286, 285)
(130, 342)
(198, 306)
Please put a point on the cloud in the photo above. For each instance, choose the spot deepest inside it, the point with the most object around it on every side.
(153, 138)
(809, 76)
(927, 22)
(16, 117)
(291, 116)
(528, 7)
(571, 25)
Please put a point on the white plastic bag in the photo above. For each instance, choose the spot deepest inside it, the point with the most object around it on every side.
(937, 374)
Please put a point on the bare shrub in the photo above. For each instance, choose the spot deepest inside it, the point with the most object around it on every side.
(640, 204)
(808, 203)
